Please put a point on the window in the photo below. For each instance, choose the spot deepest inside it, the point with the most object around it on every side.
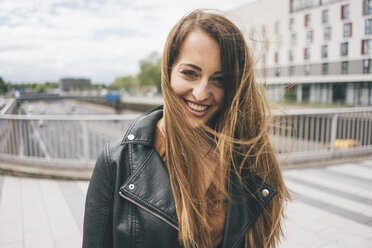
(297, 5)
(277, 71)
(345, 11)
(276, 57)
(347, 30)
(344, 48)
(263, 30)
(291, 70)
(306, 53)
(324, 51)
(290, 55)
(325, 68)
(293, 39)
(309, 36)
(277, 27)
(366, 46)
(307, 20)
(367, 7)
(307, 69)
(368, 26)
(291, 23)
(325, 16)
(366, 65)
(345, 67)
(327, 33)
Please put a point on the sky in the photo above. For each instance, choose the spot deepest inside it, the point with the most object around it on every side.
(46, 40)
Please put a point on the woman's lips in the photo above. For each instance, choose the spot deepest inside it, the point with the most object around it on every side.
(196, 110)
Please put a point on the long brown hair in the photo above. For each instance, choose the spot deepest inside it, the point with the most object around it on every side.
(237, 137)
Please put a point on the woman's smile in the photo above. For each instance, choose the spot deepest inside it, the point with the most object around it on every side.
(196, 109)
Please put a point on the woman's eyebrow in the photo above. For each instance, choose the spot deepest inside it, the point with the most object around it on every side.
(193, 66)
(199, 69)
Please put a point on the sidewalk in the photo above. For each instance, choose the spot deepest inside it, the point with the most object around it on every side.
(332, 207)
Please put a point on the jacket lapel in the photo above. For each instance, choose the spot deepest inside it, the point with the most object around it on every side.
(150, 187)
(244, 208)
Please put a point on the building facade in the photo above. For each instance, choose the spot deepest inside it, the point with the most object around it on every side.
(71, 84)
(316, 51)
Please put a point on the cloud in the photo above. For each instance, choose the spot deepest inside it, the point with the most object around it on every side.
(101, 40)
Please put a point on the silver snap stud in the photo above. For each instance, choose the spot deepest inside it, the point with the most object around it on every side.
(265, 192)
(131, 137)
(131, 186)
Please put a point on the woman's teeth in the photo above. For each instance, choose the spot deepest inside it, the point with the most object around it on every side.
(196, 107)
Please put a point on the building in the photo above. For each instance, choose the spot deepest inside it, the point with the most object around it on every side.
(71, 84)
(316, 51)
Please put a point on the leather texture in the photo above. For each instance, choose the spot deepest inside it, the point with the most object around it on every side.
(130, 204)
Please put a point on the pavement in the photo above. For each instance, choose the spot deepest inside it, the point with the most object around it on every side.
(332, 207)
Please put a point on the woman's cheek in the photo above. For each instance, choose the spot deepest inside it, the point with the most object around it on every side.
(179, 86)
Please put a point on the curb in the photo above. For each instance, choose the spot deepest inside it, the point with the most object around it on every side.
(19, 170)
(85, 174)
(325, 162)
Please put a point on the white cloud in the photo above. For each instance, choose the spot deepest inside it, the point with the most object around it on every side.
(48, 39)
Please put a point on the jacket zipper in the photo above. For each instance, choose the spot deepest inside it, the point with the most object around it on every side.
(151, 212)
(148, 210)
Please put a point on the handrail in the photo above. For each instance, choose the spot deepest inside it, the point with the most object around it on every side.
(6, 108)
(306, 135)
(70, 117)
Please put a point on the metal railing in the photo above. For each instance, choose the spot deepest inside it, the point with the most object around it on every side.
(76, 141)
(310, 135)
(59, 140)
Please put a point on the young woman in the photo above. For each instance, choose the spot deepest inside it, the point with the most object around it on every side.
(200, 171)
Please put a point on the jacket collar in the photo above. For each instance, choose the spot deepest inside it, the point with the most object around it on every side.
(149, 186)
(142, 130)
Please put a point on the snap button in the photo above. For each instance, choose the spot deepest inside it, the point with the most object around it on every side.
(131, 137)
(265, 192)
(131, 186)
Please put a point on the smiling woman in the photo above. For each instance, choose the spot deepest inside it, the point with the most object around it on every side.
(200, 171)
(196, 77)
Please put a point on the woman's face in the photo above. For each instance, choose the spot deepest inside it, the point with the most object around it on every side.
(197, 78)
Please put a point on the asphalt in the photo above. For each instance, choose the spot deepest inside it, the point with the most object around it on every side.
(331, 207)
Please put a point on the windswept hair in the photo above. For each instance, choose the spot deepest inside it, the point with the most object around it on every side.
(238, 137)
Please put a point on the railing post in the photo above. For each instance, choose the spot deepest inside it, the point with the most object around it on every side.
(85, 141)
(333, 132)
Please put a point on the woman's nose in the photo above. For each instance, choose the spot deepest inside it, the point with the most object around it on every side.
(201, 91)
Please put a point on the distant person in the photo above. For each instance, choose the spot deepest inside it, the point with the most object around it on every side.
(198, 171)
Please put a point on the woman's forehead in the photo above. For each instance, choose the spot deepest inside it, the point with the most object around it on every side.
(201, 50)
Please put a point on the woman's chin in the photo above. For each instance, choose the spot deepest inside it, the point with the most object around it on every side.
(195, 122)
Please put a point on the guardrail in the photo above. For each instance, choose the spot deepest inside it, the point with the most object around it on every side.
(75, 141)
(9, 107)
(58, 140)
(313, 135)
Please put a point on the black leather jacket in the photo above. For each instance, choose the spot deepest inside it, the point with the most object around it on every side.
(130, 203)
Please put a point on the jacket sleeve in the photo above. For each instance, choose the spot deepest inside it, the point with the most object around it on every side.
(97, 230)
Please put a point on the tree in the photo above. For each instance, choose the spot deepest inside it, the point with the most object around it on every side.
(3, 86)
(150, 71)
(127, 83)
(51, 85)
(40, 88)
(98, 86)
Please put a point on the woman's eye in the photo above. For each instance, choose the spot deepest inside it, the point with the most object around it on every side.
(189, 73)
(219, 80)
